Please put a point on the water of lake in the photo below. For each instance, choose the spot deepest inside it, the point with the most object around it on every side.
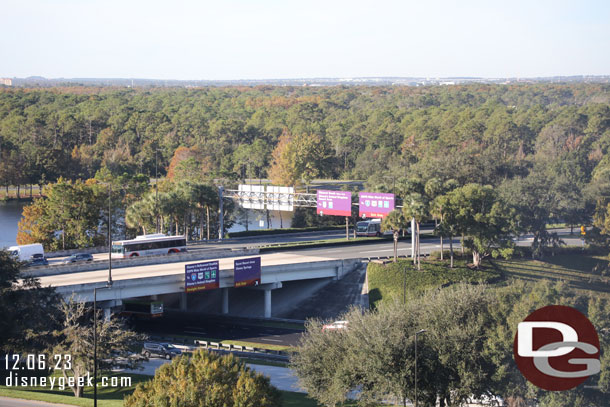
(10, 214)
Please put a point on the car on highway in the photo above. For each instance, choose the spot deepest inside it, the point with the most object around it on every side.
(38, 260)
(78, 258)
(161, 350)
(335, 326)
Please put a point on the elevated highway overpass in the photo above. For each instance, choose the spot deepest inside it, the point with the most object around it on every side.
(158, 279)
(302, 264)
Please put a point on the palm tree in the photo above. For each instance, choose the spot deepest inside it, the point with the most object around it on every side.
(415, 207)
(394, 221)
(448, 225)
(141, 214)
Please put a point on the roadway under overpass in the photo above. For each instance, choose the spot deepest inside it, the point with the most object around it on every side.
(159, 279)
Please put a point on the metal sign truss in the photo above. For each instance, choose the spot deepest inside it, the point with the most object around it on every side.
(272, 198)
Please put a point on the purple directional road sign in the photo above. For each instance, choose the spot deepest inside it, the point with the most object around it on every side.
(247, 272)
(337, 203)
(375, 204)
(201, 276)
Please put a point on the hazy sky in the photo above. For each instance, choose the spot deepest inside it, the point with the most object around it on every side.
(240, 39)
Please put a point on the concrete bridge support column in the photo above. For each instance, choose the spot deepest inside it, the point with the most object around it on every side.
(268, 303)
(225, 300)
(107, 314)
(268, 288)
(183, 302)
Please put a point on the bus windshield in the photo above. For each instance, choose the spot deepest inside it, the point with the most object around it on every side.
(362, 227)
(117, 248)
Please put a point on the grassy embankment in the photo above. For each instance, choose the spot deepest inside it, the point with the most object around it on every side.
(386, 281)
(581, 271)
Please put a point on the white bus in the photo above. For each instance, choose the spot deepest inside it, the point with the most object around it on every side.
(369, 228)
(147, 245)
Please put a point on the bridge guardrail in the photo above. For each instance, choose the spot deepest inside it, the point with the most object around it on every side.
(51, 270)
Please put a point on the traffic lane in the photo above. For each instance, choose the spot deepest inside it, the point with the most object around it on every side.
(354, 251)
(154, 270)
(61, 260)
(217, 328)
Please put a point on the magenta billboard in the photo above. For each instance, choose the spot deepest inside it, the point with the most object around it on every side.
(338, 203)
(247, 272)
(375, 204)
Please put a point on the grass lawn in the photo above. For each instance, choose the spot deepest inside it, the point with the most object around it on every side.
(579, 271)
(386, 281)
(290, 399)
(111, 397)
(107, 396)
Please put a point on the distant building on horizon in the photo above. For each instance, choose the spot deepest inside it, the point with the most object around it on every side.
(6, 81)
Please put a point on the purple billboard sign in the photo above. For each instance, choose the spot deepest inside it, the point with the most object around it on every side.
(247, 272)
(337, 203)
(375, 204)
(201, 276)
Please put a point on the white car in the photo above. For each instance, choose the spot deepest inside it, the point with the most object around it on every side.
(335, 326)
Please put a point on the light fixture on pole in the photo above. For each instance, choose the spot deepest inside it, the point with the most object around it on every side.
(421, 331)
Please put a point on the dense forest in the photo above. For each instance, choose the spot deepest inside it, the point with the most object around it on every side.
(540, 142)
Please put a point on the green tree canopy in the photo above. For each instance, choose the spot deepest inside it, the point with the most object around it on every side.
(205, 379)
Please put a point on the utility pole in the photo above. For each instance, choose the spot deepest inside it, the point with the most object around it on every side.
(220, 213)
(413, 239)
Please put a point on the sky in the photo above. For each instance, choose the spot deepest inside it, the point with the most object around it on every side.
(277, 39)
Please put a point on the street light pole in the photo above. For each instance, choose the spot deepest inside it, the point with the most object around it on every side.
(109, 234)
(421, 331)
(156, 194)
(108, 286)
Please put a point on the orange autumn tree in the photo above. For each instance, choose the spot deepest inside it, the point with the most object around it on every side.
(188, 163)
(30, 230)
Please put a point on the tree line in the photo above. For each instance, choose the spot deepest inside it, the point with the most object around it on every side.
(543, 148)
(465, 353)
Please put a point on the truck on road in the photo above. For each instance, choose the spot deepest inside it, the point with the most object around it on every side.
(27, 252)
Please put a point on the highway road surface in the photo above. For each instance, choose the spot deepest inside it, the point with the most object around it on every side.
(368, 250)
(221, 328)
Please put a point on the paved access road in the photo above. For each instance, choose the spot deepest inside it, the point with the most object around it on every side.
(9, 402)
(222, 327)
(282, 378)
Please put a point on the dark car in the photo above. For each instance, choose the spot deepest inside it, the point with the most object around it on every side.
(78, 257)
(161, 350)
(38, 261)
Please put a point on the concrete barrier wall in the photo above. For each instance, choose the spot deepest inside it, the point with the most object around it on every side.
(53, 270)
